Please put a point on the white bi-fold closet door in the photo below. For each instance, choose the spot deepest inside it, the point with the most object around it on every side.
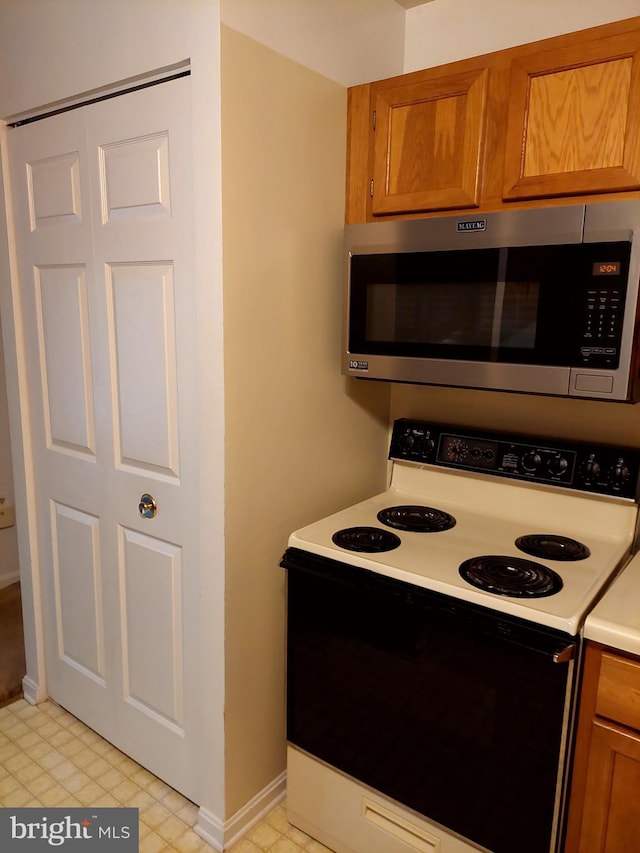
(103, 212)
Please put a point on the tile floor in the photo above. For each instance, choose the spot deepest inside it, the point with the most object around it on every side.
(49, 758)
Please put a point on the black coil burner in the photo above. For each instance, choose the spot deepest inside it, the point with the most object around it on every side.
(370, 540)
(511, 576)
(552, 547)
(420, 519)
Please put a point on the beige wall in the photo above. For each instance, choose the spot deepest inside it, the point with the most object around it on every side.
(356, 41)
(299, 437)
(349, 41)
(54, 49)
(446, 30)
(617, 423)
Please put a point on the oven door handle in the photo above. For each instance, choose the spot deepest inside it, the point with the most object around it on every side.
(562, 655)
(565, 655)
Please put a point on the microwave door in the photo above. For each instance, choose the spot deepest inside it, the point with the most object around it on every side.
(447, 318)
(474, 307)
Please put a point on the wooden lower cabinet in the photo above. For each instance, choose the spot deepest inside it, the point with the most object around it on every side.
(604, 812)
(611, 816)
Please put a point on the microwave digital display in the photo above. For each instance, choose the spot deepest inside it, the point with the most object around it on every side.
(607, 268)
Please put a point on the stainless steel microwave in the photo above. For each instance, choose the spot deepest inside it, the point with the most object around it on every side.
(541, 301)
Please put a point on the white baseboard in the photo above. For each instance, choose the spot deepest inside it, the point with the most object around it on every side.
(222, 835)
(32, 692)
(211, 828)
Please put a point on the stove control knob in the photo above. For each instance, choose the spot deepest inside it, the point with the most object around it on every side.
(591, 468)
(428, 445)
(557, 465)
(531, 461)
(407, 441)
(619, 473)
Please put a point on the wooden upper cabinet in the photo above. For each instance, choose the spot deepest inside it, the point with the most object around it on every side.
(429, 141)
(533, 124)
(573, 120)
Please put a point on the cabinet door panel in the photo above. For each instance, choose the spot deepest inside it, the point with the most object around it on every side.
(618, 695)
(572, 122)
(611, 818)
(429, 144)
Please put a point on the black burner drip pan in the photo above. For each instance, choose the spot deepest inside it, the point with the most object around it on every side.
(511, 576)
(419, 519)
(552, 547)
(369, 540)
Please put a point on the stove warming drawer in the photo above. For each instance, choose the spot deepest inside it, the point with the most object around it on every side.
(457, 712)
(348, 817)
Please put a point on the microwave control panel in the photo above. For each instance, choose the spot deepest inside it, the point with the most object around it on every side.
(603, 308)
(603, 469)
(602, 329)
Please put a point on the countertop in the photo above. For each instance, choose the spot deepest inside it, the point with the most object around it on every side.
(615, 621)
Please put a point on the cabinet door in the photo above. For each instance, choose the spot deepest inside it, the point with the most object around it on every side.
(573, 120)
(611, 817)
(429, 143)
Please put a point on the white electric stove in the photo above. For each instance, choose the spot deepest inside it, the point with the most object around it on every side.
(576, 494)
(434, 640)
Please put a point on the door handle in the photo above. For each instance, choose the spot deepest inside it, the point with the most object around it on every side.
(148, 507)
(565, 655)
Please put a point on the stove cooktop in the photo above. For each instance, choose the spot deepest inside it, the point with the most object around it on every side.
(514, 525)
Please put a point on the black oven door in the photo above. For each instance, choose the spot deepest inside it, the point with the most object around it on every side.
(452, 710)
(529, 305)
